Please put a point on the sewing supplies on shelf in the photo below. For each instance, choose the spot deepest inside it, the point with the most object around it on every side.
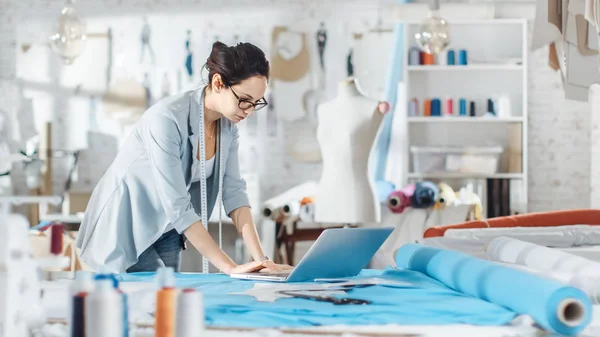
(497, 106)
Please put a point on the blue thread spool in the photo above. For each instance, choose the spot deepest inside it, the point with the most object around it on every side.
(451, 57)
(462, 57)
(414, 56)
(463, 107)
(436, 107)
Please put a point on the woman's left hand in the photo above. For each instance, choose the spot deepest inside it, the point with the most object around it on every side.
(271, 266)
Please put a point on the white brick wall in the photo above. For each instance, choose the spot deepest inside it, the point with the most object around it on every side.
(559, 134)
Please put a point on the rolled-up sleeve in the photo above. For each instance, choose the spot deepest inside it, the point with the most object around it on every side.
(234, 187)
(163, 143)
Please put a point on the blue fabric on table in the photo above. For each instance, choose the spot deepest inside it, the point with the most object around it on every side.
(426, 301)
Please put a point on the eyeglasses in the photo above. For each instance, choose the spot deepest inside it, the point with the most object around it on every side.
(246, 104)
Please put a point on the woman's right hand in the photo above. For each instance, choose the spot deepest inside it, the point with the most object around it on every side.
(249, 267)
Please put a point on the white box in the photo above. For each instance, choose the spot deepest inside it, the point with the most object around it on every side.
(476, 159)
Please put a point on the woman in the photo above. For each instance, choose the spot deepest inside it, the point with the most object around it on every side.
(148, 202)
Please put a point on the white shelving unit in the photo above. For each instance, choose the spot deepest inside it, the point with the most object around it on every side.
(497, 65)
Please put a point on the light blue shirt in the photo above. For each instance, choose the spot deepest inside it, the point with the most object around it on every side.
(150, 184)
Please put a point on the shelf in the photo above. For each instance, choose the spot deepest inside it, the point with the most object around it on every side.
(460, 175)
(470, 67)
(459, 119)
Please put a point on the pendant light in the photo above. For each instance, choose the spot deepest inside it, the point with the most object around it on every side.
(433, 36)
(69, 36)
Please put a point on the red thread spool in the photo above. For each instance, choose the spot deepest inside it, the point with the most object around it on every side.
(56, 238)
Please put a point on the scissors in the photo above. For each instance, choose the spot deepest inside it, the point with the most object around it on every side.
(330, 299)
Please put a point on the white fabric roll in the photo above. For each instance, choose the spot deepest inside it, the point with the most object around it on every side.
(554, 263)
(562, 236)
(509, 250)
(296, 193)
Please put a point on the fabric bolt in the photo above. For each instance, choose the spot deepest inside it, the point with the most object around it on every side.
(525, 293)
(559, 236)
(426, 302)
(545, 219)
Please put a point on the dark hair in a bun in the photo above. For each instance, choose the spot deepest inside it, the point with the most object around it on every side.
(236, 63)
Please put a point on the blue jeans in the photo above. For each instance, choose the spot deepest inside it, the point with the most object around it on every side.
(166, 251)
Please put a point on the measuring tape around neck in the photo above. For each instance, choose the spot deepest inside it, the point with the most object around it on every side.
(203, 189)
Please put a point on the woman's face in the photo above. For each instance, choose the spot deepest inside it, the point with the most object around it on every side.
(235, 102)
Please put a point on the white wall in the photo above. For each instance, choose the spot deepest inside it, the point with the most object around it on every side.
(559, 135)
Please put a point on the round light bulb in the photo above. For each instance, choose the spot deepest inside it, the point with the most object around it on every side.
(69, 37)
(433, 36)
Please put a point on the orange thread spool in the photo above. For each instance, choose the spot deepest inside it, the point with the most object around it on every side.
(164, 322)
(427, 107)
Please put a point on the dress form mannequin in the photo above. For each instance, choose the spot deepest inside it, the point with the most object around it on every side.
(347, 130)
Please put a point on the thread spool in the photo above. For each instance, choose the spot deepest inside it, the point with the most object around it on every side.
(463, 107)
(414, 56)
(77, 323)
(398, 200)
(103, 311)
(472, 112)
(451, 57)
(490, 106)
(427, 107)
(436, 107)
(449, 107)
(190, 314)
(57, 231)
(462, 57)
(164, 323)
(425, 195)
(82, 285)
(428, 59)
(413, 107)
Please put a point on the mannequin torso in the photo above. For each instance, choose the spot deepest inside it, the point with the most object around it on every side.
(348, 126)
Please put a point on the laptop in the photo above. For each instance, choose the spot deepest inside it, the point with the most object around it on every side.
(337, 253)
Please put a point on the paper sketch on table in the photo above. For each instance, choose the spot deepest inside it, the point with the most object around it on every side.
(269, 292)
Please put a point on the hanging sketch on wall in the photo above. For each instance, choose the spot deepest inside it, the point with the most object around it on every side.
(290, 63)
(146, 85)
(145, 41)
(321, 42)
(189, 59)
(165, 86)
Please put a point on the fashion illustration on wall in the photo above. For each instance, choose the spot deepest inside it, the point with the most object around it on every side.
(145, 41)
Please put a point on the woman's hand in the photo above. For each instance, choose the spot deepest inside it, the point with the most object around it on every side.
(270, 266)
(246, 268)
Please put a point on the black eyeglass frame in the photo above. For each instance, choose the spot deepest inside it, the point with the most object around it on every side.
(257, 106)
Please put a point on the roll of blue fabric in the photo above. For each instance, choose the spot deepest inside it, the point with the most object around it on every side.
(426, 193)
(554, 306)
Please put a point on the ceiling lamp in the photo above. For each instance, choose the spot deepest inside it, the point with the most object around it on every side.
(69, 36)
(433, 36)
